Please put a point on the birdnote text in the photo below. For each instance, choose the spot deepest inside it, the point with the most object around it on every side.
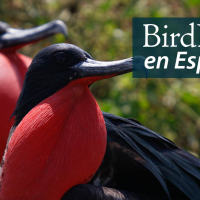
(170, 46)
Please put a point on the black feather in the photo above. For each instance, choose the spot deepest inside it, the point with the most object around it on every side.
(177, 171)
(91, 192)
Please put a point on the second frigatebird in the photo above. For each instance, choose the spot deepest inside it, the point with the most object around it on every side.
(13, 67)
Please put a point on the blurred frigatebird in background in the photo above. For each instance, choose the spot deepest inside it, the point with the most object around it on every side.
(13, 67)
(58, 141)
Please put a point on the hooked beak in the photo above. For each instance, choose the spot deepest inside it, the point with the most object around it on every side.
(91, 68)
(14, 37)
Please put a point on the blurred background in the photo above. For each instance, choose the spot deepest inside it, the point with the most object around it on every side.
(103, 28)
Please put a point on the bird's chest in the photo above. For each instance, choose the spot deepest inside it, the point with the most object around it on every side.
(55, 147)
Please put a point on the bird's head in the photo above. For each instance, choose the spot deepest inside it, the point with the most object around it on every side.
(57, 65)
(13, 39)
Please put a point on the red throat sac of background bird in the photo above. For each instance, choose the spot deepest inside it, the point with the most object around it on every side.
(13, 68)
(58, 144)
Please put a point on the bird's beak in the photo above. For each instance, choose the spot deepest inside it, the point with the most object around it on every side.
(93, 68)
(14, 37)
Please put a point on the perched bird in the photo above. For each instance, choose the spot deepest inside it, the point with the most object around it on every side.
(58, 140)
(13, 67)
(59, 137)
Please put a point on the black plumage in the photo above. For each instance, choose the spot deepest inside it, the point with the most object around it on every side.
(139, 162)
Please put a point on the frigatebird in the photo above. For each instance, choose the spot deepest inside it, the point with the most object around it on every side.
(13, 67)
(59, 136)
(59, 139)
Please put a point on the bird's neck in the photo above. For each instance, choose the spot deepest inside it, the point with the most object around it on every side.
(58, 144)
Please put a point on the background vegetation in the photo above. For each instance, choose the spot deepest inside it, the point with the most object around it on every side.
(104, 29)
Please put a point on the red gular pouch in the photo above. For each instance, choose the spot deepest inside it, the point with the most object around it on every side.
(58, 144)
(13, 67)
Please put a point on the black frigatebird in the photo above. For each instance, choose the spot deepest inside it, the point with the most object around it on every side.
(13, 67)
(59, 137)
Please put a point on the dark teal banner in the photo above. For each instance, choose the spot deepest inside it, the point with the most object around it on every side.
(171, 46)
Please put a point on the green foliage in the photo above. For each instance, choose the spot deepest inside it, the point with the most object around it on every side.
(104, 29)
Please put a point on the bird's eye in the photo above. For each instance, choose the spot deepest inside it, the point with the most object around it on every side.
(61, 57)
